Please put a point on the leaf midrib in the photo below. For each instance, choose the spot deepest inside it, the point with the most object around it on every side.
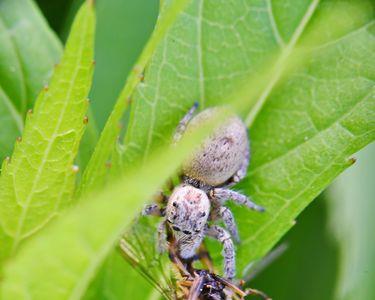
(80, 285)
(295, 148)
(278, 68)
(287, 203)
(17, 237)
(154, 105)
(345, 36)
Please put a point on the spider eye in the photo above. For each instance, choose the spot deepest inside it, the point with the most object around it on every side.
(175, 228)
(186, 232)
(174, 204)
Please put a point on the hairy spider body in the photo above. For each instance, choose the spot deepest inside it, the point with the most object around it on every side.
(222, 154)
(220, 162)
(187, 211)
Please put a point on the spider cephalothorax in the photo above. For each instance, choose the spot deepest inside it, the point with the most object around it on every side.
(220, 162)
(187, 213)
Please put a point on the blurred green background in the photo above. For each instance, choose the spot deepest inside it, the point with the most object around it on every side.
(123, 27)
(330, 251)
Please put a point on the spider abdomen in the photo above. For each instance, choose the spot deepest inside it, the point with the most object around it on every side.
(221, 154)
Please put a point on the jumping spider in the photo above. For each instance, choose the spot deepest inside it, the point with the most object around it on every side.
(219, 163)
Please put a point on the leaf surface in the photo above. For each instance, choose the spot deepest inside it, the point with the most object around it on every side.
(210, 52)
(308, 128)
(118, 280)
(304, 127)
(287, 171)
(29, 50)
(39, 179)
(90, 229)
(95, 174)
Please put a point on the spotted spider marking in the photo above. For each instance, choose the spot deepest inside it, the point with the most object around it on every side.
(224, 155)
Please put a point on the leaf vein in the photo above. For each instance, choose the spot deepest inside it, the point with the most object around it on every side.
(279, 66)
(345, 36)
(274, 27)
(18, 234)
(296, 148)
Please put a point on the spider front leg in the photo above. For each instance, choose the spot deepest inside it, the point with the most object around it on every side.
(230, 223)
(223, 194)
(181, 127)
(224, 213)
(223, 237)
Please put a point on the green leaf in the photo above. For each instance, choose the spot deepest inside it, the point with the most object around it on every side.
(95, 174)
(213, 48)
(29, 50)
(304, 126)
(154, 266)
(115, 53)
(88, 142)
(90, 230)
(352, 223)
(115, 56)
(118, 280)
(287, 170)
(307, 130)
(39, 179)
